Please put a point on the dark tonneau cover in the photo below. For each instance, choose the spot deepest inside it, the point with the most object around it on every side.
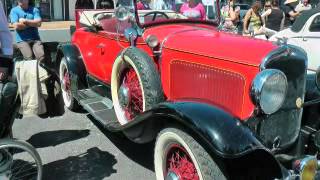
(302, 19)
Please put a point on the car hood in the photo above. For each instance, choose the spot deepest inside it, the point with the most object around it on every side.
(207, 41)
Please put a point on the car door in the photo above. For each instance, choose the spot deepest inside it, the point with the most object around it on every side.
(111, 45)
(311, 40)
(90, 46)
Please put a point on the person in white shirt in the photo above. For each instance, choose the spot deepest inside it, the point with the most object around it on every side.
(304, 5)
(6, 40)
(162, 4)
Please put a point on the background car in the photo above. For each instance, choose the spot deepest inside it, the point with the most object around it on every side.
(305, 33)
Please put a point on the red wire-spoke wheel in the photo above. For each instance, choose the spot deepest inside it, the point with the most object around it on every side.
(178, 156)
(135, 85)
(65, 80)
(66, 83)
(179, 164)
(130, 94)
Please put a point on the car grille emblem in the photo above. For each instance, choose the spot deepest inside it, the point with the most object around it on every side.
(299, 102)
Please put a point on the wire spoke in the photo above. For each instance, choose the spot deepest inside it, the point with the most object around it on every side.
(28, 169)
(27, 175)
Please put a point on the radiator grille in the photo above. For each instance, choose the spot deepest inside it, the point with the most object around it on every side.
(217, 86)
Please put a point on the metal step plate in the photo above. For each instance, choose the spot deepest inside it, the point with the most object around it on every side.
(101, 108)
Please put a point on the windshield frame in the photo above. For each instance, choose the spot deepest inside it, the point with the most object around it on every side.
(215, 22)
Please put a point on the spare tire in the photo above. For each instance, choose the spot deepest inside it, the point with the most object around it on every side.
(135, 84)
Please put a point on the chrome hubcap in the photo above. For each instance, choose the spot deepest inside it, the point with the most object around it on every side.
(172, 176)
(124, 96)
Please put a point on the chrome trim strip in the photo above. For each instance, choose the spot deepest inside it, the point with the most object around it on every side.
(310, 37)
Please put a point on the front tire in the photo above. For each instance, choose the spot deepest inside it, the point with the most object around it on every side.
(178, 156)
(64, 75)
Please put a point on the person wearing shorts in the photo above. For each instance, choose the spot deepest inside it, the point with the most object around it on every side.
(26, 21)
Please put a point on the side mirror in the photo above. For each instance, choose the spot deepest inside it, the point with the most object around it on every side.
(122, 13)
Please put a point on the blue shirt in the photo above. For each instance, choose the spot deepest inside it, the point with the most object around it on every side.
(30, 33)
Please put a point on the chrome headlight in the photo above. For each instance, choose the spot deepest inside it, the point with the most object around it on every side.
(152, 41)
(269, 90)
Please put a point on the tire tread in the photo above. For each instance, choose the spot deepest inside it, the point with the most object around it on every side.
(149, 76)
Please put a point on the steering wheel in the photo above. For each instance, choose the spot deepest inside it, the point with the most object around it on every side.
(155, 14)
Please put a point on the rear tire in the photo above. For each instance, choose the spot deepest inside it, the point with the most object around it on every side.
(64, 75)
(177, 154)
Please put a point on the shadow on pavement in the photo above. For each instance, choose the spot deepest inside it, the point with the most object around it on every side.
(54, 138)
(54, 102)
(92, 165)
(139, 153)
(80, 111)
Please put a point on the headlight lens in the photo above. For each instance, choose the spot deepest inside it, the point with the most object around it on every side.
(269, 90)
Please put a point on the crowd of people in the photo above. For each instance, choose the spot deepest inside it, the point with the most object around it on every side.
(262, 20)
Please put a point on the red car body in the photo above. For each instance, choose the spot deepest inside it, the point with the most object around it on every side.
(207, 82)
(229, 58)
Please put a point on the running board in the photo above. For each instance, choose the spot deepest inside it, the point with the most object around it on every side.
(101, 108)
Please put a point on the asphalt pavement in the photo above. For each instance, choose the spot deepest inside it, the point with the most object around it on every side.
(75, 147)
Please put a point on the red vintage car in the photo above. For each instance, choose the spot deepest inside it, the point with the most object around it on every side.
(220, 106)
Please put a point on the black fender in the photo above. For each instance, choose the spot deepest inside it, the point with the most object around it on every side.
(220, 133)
(312, 91)
(74, 61)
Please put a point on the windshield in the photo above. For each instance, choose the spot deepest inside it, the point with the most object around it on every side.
(159, 11)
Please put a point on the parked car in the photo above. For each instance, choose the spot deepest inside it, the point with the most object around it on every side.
(305, 33)
(214, 110)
